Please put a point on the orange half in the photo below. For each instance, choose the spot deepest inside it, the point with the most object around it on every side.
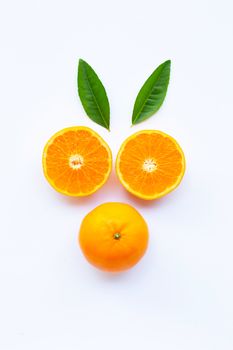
(76, 161)
(150, 164)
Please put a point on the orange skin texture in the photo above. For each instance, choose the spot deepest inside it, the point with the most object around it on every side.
(97, 237)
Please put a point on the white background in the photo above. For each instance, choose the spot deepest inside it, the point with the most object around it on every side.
(180, 296)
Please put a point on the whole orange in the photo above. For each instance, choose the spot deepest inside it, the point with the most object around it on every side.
(113, 236)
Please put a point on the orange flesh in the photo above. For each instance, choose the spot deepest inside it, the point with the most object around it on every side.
(150, 164)
(76, 161)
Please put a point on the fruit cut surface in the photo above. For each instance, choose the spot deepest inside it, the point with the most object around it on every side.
(76, 161)
(150, 164)
(113, 237)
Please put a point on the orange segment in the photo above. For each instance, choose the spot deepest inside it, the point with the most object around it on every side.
(77, 161)
(150, 164)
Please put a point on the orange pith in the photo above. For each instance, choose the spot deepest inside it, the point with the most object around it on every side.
(113, 237)
(76, 161)
(150, 164)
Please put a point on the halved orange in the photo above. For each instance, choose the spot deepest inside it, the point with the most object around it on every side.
(150, 164)
(77, 161)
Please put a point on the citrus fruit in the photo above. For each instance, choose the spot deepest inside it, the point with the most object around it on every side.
(113, 236)
(150, 164)
(76, 161)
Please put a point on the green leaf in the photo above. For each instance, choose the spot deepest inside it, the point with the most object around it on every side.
(93, 95)
(152, 94)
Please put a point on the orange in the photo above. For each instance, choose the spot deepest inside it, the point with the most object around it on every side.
(150, 164)
(113, 237)
(76, 161)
